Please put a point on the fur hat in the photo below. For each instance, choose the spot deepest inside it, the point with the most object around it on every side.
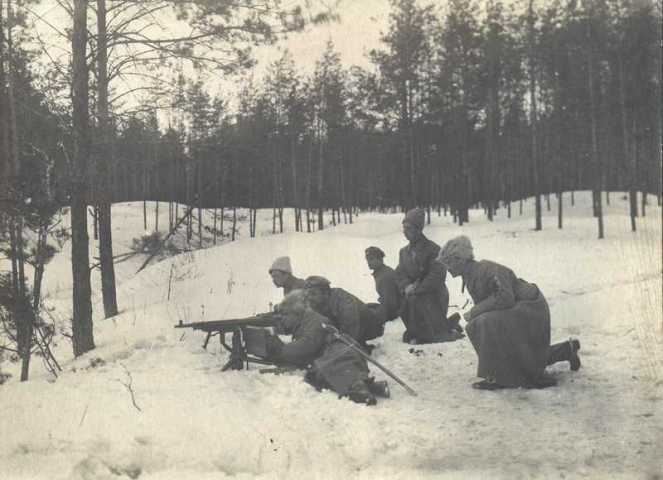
(458, 247)
(416, 217)
(316, 281)
(374, 252)
(281, 264)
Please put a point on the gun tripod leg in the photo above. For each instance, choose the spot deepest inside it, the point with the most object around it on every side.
(236, 361)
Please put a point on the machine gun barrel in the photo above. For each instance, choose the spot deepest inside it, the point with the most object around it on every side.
(261, 320)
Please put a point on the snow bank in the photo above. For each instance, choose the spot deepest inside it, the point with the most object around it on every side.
(150, 403)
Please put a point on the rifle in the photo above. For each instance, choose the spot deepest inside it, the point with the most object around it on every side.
(249, 340)
(351, 343)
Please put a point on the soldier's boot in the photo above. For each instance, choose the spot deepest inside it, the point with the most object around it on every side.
(454, 322)
(574, 359)
(379, 388)
(409, 338)
(359, 393)
(312, 379)
(487, 385)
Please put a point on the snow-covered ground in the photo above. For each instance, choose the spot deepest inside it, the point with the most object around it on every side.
(188, 420)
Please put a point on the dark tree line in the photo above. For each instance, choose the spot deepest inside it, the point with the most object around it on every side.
(463, 107)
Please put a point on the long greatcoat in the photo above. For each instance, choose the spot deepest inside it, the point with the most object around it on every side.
(334, 365)
(390, 296)
(424, 312)
(509, 325)
(352, 316)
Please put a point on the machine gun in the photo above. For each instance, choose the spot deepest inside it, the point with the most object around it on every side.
(249, 337)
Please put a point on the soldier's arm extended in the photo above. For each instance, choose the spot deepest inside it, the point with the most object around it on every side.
(499, 282)
(301, 351)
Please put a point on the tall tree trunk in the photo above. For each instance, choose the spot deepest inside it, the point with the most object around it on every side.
(234, 228)
(295, 190)
(628, 159)
(83, 339)
(281, 195)
(214, 229)
(20, 311)
(6, 166)
(103, 208)
(156, 216)
(533, 120)
(411, 148)
(561, 162)
(321, 220)
(95, 221)
(309, 185)
(596, 162)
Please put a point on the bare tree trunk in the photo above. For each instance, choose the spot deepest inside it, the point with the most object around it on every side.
(309, 185)
(281, 194)
(559, 124)
(598, 170)
(533, 120)
(6, 162)
(10, 161)
(295, 188)
(199, 196)
(234, 228)
(83, 339)
(95, 222)
(214, 229)
(321, 221)
(274, 218)
(633, 207)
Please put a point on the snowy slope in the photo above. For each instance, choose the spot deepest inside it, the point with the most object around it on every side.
(186, 419)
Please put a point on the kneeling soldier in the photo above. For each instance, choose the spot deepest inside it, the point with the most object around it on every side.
(389, 293)
(281, 273)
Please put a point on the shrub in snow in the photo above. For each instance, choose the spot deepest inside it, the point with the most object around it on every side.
(151, 242)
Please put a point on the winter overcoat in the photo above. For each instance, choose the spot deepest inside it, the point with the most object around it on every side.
(509, 325)
(308, 339)
(424, 312)
(390, 295)
(350, 315)
(334, 365)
